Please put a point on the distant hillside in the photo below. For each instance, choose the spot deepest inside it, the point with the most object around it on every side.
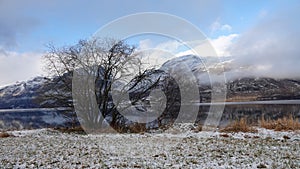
(44, 92)
(22, 94)
(263, 89)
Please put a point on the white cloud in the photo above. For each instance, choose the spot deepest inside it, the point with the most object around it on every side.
(155, 54)
(171, 46)
(220, 46)
(271, 48)
(223, 43)
(187, 52)
(19, 66)
(215, 26)
(218, 27)
(226, 27)
(144, 44)
(162, 52)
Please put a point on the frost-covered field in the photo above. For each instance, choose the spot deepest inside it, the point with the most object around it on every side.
(51, 149)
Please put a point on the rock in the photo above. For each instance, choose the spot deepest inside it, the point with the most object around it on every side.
(286, 137)
(261, 166)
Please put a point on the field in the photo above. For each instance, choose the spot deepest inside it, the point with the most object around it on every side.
(180, 147)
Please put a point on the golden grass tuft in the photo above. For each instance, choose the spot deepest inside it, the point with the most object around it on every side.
(137, 128)
(239, 126)
(283, 124)
(4, 135)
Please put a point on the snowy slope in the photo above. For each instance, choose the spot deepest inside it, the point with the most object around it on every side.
(21, 94)
(51, 149)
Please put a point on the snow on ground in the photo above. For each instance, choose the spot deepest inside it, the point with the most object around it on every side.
(176, 148)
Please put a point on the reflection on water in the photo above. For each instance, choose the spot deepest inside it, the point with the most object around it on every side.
(252, 112)
(11, 119)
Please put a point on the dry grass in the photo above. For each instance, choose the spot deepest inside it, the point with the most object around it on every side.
(132, 128)
(77, 130)
(242, 98)
(4, 135)
(198, 128)
(137, 128)
(239, 126)
(283, 124)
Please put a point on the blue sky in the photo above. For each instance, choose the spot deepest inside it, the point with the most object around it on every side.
(27, 26)
(66, 22)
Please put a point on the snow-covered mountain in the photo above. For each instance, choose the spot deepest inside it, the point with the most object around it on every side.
(238, 89)
(263, 89)
(27, 105)
(38, 92)
(22, 94)
(42, 92)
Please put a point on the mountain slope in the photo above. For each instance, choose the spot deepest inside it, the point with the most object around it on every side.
(44, 92)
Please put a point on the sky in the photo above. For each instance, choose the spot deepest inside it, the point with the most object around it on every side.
(261, 36)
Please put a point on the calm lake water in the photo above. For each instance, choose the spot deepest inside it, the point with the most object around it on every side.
(252, 111)
(33, 118)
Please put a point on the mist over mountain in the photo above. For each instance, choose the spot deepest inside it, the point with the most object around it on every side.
(271, 47)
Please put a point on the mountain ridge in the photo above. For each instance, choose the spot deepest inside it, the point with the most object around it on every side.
(28, 94)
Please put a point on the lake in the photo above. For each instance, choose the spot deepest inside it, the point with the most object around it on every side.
(252, 111)
(34, 118)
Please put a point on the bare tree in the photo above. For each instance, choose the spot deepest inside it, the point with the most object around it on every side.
(105, 61)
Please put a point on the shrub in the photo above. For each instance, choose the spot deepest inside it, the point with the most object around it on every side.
(4, 135)
(137, 128)
(283, 124)
(240, 125)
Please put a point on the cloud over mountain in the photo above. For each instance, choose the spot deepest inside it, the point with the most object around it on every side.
(271, 47)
